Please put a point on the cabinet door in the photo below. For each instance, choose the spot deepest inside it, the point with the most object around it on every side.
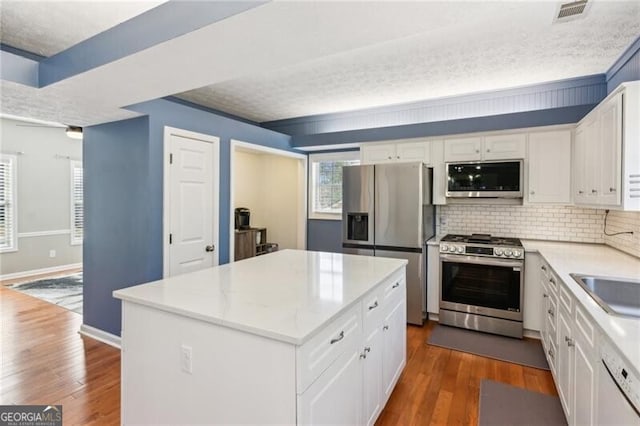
(584, 387)
(550, 167)
(592, 163)
(610, 141)
(462, 149)
(414, 151)
(504, 147)
(376, 154)
(372, 380)
(580, 165)
(244, 245)
(336, 396)
(544, 306)
(564, 367)
(394, 346)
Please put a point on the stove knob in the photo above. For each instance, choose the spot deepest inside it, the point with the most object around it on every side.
(498, 252)
(460, 250)
(508, 253)
(517, 253)
(444, 247)
(452, 249)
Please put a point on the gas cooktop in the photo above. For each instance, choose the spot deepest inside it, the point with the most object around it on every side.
(481, 239)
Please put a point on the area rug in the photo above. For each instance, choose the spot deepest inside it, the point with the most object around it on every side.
(62, 291)
(524, 352)
(502, 404)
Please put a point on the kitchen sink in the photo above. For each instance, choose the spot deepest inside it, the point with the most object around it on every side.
(618, 296)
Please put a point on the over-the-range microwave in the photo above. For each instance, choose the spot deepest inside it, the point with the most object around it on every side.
(487, 179)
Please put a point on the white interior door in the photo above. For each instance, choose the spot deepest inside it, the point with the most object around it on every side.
(192, 211)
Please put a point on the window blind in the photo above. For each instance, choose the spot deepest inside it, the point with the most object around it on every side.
(77, 207)
(7, 203)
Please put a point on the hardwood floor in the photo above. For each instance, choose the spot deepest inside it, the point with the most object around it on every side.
(441, 386)
(46, 361)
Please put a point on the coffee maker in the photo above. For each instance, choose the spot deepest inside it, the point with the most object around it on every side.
(242, 216)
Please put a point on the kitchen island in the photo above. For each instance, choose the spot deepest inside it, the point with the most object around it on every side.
(289, 337)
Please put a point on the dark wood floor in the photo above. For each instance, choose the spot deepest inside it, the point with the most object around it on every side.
(46, 361)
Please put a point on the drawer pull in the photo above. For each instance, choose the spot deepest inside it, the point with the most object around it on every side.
(569, 341)
(367, 349)
(550, 352)
(545, 295)
(375, 305)
(363, 356)
(544, 268)
(396, 285)
(386, 327)
(550, 312)
(337, 339)
(552, 281)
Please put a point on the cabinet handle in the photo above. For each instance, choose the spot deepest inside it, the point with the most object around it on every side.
(545, 295)
(612, 190)
(375, 305)
(569, 341)
(396, 285)
(398, 157)
(532, 192)
(593, 191)
(389, 157)
(488, 150)
(580, 192)
(550, 312)
(386, 327)
(552, 281)
(337, 339)
(363, 356)
(477, 151)
(550, 352)
(367, 349)
(544, 268)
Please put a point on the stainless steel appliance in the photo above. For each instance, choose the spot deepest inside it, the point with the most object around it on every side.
(482, 281)
(242, 218)
(388, 212)
(618, 398)
(499, 179)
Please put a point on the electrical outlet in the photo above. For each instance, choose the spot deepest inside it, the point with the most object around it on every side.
(52, 253)
(186, 359)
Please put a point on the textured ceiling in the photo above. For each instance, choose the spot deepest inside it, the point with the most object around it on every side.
(48, 27)
(470, 47)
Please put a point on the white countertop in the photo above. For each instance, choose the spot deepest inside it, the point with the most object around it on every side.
(596, 259)
(287, 295)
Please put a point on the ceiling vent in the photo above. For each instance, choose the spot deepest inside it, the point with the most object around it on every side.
(571, 11)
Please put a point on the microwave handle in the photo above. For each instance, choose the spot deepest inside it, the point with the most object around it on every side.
(517, 265)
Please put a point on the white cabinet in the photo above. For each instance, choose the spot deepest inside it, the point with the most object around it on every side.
(549, 178)
(372, 384)
(394, 346)
(585, 364)
(394, 151)
(606, 166)
(532, 316)
(492, 147)
(565, 359)
(336, 396)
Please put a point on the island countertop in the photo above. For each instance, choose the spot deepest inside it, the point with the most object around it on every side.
(287, 295)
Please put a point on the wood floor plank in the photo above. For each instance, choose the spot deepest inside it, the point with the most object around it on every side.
(46, 361)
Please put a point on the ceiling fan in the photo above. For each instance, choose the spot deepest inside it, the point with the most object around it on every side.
(74, 132)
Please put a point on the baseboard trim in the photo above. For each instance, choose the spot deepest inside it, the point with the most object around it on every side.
(40, 271)
(100, 335)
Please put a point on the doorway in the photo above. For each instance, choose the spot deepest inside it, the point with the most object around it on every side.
(272, 184)
(191, 202)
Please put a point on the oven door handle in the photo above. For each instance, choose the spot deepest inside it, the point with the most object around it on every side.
(517, 265)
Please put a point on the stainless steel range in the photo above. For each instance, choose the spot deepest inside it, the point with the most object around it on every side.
(481, 284)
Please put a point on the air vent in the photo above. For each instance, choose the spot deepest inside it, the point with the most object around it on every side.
(571, 11)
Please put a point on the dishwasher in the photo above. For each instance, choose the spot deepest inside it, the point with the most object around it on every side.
(618, 389)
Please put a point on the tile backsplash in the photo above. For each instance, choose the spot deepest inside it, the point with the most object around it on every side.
(621, 222)
(561, 223)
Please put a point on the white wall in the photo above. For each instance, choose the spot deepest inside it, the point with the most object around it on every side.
(269, 185)
(43, 196)
(622, 222)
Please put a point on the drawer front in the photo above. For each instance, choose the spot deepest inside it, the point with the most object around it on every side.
(372, 307)
(394, 289)
(553, 282)
(551, 355)
(552, 313)
(565, 298)
(585, 328)
(317, 354)
(544, 269)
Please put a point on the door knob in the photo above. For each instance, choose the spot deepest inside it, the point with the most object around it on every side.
(209, 248)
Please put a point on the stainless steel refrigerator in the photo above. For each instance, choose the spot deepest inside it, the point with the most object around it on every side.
(387, 211)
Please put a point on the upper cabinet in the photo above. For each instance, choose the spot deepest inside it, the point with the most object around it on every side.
(550, 167)
(419, 150)
(606, 152)
(492, 147)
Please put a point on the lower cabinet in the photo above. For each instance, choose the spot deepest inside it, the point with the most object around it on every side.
(350, 380)
(569, 338)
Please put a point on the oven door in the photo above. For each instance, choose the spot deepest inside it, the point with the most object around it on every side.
(483, 286)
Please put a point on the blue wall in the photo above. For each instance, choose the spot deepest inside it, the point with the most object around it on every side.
(117, 250)
(626, 68)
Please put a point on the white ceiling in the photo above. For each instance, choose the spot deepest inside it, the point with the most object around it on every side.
(48, 27)
(289, 59)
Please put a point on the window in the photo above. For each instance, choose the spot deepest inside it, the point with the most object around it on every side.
(77, 208)
(8, 218)
(325, 183)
